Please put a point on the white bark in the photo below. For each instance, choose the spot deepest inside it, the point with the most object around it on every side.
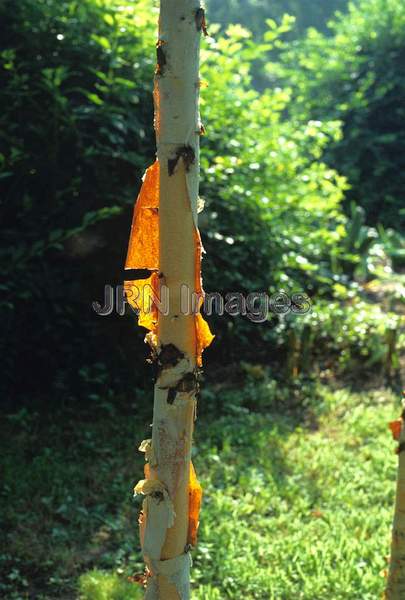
(177, 120)
(165, 520)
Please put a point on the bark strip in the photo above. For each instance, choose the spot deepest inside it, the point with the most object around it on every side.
(395, 589)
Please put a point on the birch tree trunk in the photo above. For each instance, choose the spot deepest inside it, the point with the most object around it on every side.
(165, 239)
(395, 589)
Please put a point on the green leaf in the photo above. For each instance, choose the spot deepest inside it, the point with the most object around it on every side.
(94, 98)
(109, 19)
(102, 41)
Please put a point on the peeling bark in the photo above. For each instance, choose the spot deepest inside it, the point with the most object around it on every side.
(165, 239)
(395, 589)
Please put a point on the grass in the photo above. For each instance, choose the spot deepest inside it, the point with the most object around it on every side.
(297, 503)
(99, 585)
(298, 513)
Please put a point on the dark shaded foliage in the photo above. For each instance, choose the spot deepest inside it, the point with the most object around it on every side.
(76, 133)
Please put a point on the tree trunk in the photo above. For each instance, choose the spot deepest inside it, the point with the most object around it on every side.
(165, 239)
(395, 589)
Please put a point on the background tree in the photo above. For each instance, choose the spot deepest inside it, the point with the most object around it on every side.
(358, 77)
(252, 14)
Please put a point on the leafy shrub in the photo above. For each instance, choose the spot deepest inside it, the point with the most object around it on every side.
(75, 140)
(349, 336)
(272, 219)
(394, 245)
(76, 133)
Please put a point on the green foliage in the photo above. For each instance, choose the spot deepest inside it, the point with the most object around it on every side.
(358, 77)
(75, 140)
(98, 585)
(254, 13)
(76, 133)
(349, 335)
(394, 246)
(272, 219)
(257, 388)
(357, 244)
